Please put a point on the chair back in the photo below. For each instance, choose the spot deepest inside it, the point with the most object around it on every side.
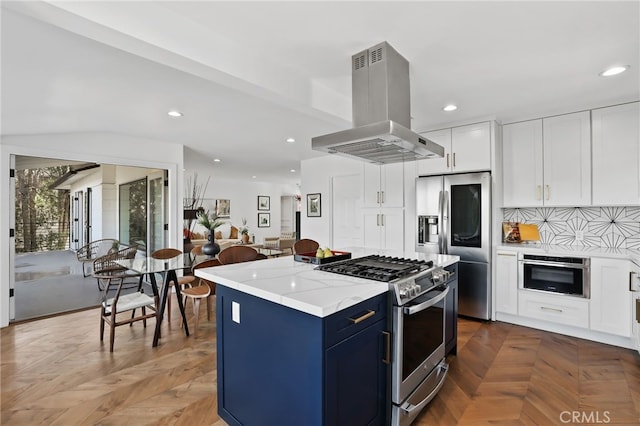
(237, 254)
(207, 264)
(305, 245)
(197, 251)
(166, 253)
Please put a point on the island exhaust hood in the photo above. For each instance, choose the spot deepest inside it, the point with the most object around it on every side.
(381, 107)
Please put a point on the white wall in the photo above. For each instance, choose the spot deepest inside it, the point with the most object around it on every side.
(244, 202)
(90, 147)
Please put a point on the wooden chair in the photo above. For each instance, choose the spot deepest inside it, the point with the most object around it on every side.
(196, 294)
(212, 286)
(111, 309)
(95, 249)
(237, 254)
(183, 282)
(305, 245)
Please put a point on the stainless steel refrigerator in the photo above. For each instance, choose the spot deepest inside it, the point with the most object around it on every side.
(454, 217)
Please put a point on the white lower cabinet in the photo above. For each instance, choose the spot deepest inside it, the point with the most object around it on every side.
(566, 310)
(384, 228)
(610, 296)
(507, 282)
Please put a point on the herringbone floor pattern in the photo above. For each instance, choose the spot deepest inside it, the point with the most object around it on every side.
(56, 372)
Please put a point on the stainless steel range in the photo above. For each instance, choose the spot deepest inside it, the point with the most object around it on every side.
(418, 366)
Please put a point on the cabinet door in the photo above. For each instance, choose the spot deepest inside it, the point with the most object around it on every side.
(392, 185)
(507, 282)
(471, 147)
(392, 228)
(371, 181)
(356, 379)
(522, 164)
(372, 234)
(567, 160)
(434, 166)
(610, 296)
(616, 155)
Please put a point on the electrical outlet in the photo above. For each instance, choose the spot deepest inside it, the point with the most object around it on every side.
(579, 235)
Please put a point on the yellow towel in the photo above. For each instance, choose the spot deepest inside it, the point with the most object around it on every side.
(529, 232)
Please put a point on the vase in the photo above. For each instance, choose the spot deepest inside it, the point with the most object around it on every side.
(245, 238)
(211, 248)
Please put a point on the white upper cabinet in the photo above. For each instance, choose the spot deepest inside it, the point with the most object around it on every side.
(522, 163)
(616, 155)
(567, 159)
(547, 162)
(383, 185)
(466, 149)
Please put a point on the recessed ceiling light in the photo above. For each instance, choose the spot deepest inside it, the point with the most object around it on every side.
(291, 140)
(253, 177)
(614, 71)
(292, 170)
(216, 160)
(450, 107)
(174, 113)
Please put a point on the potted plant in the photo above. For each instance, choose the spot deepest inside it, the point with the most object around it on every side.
(211, 222)
(244, 231)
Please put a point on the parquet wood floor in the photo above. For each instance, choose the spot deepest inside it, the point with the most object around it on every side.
(55, 371)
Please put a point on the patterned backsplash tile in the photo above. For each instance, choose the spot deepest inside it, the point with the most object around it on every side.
(617, 227)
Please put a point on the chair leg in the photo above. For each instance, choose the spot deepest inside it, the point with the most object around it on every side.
(112, 336)
(169, 306)
(101, 326)
(144, 321)
(196, 311)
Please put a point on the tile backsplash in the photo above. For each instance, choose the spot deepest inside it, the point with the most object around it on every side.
(617, 227)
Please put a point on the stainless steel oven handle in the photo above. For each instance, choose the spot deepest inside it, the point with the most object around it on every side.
(408, 408)
(555, 264)
(424, 305)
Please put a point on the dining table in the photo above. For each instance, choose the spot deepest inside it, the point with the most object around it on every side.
(168, 269)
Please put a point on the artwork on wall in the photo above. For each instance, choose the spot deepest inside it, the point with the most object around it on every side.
(264, 220)
(313, 205)
(223, 208)
(264, 202)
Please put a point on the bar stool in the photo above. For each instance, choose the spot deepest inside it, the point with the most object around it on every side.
(187, 280)
(196, 294)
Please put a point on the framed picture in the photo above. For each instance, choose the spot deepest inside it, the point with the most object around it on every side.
(264, 202)
(264, 220)
(313, 205)
(223, 208)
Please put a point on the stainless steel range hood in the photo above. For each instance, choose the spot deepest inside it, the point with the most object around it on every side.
(381, 113)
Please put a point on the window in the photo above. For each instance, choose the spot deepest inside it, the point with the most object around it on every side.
(133, 213)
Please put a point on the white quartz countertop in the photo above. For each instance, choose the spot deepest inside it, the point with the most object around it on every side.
(582, 251)
(297, 285)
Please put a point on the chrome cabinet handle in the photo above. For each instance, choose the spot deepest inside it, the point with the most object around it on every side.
(538, 192)
(544, 308)
(378, 197)
(382, 197)
(548, 191)
(382, 219)
(447, 160)
(454, 159)
(387, 352)
(361, 318)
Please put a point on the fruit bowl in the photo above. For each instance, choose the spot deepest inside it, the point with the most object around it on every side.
(311, 257)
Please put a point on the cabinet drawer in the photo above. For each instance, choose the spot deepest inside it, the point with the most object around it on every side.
(347, 322)
(561, 309)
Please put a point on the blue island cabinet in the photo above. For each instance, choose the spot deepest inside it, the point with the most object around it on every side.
(281, 366)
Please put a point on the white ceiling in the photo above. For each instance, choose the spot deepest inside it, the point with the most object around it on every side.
(248, 75)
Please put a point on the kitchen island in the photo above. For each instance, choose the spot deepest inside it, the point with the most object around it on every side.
(301, 346)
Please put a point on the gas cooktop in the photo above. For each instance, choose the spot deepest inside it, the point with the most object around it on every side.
(378, 268)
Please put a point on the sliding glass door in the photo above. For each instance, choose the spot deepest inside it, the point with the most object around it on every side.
(133, 213)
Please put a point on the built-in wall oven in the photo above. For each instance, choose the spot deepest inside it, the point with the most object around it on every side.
(555, 274)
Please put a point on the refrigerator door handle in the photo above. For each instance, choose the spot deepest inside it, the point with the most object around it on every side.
(444, 227)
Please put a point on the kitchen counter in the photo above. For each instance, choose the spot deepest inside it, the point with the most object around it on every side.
(299, 286)
(563, 250)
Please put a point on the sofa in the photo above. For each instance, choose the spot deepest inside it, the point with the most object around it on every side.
(284, 242)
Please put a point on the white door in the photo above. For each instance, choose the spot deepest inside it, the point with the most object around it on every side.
(347, 203)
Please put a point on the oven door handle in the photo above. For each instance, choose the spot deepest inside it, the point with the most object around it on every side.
(425, 305)
(555, 264)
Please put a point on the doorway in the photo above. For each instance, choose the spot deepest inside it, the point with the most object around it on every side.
(49, 279)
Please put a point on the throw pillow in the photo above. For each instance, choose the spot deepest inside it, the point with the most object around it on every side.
(234, 233)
